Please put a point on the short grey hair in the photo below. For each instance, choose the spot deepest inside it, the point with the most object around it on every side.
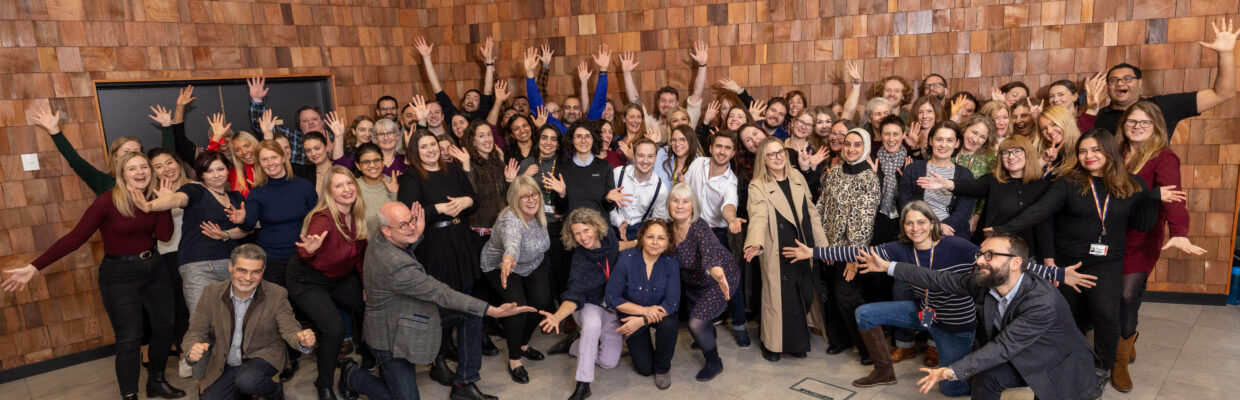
(248, 251)
(684, 191)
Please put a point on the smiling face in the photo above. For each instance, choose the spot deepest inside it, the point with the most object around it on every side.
(216, 175)
(343, 191)
(678, 118)
(387, 109)
(722, 150)
(1060, 96)
(522, 105)
(387, 140)
(529, 202)
(459, 123)
(471, 101)
(736, 118)
(998, 270)
(428, 151)
(408, 117)
(166, 168)
(548, 141)
(244, 151)
(776, 156)
(822, 125)
(572, 110)
(795, 104)
(917, 227)
(645, 155)
(1089, 154)
(1123, 86)
(775, 114)
(854, 147)
(1139, 127)
(1015, 94)
(434, 118)
(934, 86)
(484, 141)
(520, 130)
(680, 208)
(975, 137)
(632, 121)
(583, 140)
(750, 137)
(609, 111)
(879, 112)
(893, 91)
(1002, 120)
(926, 115)
(137, 173)
(605, 135)
(364, 132)
(316, 152)
(679, 144)
(371, 165)
(444, 154)
(667, 101)
(836, 137)
(803, 126)
(1051, 132)
(944, 143)
(585, 236)
(272, 163)
(246, 274)
(654, 240)
(893, 136)
(310, 121)
(1023, 120)
(1013, 161)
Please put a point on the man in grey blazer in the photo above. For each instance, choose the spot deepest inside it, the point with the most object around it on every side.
(1030, 338)
(403, 324)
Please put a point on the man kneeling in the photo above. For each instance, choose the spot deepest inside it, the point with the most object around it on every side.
(250, 320)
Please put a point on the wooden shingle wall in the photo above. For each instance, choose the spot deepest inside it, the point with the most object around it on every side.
(53, 49)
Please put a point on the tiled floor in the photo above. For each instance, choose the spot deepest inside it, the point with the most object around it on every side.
(1183, 352)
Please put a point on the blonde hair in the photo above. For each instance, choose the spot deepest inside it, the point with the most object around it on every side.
(979, 118)
(1066, 122)
(684, 191)
(1150, 148)
(524, 184)
(760, 173)
(260, 176)
(357, 211)
(586, 216)
(238, 165)
(116, 146)
(120, 193)
(1032, 171)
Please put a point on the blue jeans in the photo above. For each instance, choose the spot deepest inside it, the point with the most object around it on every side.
(901, 291)
(903, 314)
(399, 379)
(468, 343)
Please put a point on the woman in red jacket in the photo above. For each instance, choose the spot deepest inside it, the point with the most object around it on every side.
(132, 278)
(1143, 139)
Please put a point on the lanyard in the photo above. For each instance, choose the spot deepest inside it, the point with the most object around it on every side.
(1100, 207)
(606, 266)
(926, 299)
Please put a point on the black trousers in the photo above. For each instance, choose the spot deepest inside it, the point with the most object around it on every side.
(560, 260)
(990, 384)
(318, 297)
(130, 291)
(251, 378)
(654, 357)
(533, 290)
(1099, 306)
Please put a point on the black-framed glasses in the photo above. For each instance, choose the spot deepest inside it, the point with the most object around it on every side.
(778, 154)
(407, 225)
(1126, 79)
(935, 85)
(1144, 123)
(990, 255)
(1011, 153)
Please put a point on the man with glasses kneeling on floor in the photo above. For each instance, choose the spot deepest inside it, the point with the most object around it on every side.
(1029, 336)
(250, 320)
(403, 319)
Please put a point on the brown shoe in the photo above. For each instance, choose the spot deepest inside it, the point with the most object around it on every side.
(900, 354)
(1120, 379)
(883, 373)
(932, 357)
(1133, 359)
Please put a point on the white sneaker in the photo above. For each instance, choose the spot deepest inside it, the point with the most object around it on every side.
(184, 370)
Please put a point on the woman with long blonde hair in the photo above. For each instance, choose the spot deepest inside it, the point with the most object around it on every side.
(1057, 132)
(325, 274)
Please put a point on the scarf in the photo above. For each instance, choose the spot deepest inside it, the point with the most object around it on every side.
(888, 165)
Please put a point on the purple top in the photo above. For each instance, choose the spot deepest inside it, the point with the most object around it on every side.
(697, 254)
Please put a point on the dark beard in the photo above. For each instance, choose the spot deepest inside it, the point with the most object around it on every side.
(988, 280)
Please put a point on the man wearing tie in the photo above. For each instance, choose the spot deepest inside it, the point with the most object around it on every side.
(1029, 336)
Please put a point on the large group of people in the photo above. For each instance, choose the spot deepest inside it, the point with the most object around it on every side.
(1008, 224)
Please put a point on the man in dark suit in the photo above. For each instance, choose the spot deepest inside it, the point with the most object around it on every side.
(1030, 338)
(403, 324)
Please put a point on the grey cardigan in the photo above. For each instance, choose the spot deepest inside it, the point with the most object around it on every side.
(403, 302)
(510, 236)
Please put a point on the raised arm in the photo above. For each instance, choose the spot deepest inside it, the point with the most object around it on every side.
(1225, 84)
(854, 91)
(583, 74)
(627, 64)
(699, 56)
(531, 86)
(98, 181)
(501, 94)
(431, 75)
(488, 58)
(603, 61)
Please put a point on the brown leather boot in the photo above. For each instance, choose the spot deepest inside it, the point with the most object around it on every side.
(1133, 359)
(883, 373)
(1119, 372)
(900, 354)
(932, 357)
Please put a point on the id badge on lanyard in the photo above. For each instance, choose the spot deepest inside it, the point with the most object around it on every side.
(927, 315)
(1098, 249)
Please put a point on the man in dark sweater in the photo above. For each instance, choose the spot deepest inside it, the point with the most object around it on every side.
(1028, 336)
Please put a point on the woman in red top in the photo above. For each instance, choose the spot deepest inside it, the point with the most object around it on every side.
(1143, 139)
(326, 273)
(132, 278)
(243, 149)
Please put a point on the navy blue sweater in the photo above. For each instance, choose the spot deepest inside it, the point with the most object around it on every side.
(587, 280)
(280, 205)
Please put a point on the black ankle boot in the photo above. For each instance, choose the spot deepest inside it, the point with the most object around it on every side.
(440, 371)
(488, 347)
(346, 365)
(581, 392)
(289, 369)
(157, 386)
(469, 392)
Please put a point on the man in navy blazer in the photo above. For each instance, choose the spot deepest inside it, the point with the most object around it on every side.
(1030, 338)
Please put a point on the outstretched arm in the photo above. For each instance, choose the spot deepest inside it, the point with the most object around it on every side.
(488, 58)
(854, 92)
(431, 75)
(1225, 84)
(694, 101)
(603, 61)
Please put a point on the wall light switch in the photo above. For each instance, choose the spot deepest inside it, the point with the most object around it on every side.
(30, 162)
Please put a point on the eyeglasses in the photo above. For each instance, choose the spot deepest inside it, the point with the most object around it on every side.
(935, 85)
(405, 226)
(1132, 123)
(777, 154)
(385, 134)
(1013, 153)
(1126, 79)
(370, 162)
(804, 124)
(990, 255)
(583, 137)
(530, 197)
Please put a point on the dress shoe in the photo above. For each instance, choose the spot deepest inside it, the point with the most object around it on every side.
(469, 392)
(798, 354)
(347, 365)
(564, 345)
(931, 358)
(157, 386)
(902, 353)
(518, 374)
(290, 368)
(530, 353)
(836, 349)
(663, 381)
(581, 392)
(325, 393)
(769, 355)
(346, 347)
(742, 337)
(488, 347)
(440, 372)
(134, 397)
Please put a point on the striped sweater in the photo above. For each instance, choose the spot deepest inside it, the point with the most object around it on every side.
(953, 312)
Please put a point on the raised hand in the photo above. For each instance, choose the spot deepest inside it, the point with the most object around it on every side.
(1052, 152)
(1182, 243)
(486, 51)
(18, 278)
(1035, 109)
(729, 85)
(424, 48)
(42, 114)
(1077, 280)
(1224, 39)
(196, 352)
(798, 253)
(546, 54)
(540, 116)
(459, 154)
(236, 215)
(418, 219)
(531, 62)
(218, 126)
(392, 183)
(717, 274)
(510, 171)
(871, 262)
(501, 91)
(165, 188)
(603, 58)
(555, 184)
(583, 72)
(420, 110)
(997, 95)
(267, 124)
(628, 62)
(508, 310)
(258, 88)
(335, 124)
(699, 54)
(957, 105)
(306, 337)
(757, 109)
(653, 131)
(160, 115)
(619, 197)
(1096, 92)
(1170, 195)
(311, 242)
(913, 137)
(139, 199)
(186, 96)
(712, 110)
(935, 182)
(854, 73)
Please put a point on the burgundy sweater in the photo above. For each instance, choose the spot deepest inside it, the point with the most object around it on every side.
(338, 256)
(1144, 248)
(121, 235)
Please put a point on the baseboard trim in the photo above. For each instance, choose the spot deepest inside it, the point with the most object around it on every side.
(1201, 299)
(53, 364)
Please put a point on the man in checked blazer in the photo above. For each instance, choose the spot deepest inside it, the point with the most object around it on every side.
(403, 324)
(1030, 338)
